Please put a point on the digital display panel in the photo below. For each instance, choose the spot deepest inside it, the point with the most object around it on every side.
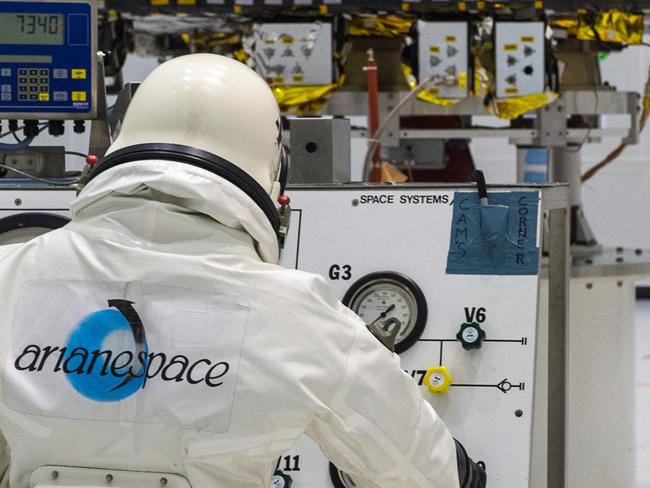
(29, 29)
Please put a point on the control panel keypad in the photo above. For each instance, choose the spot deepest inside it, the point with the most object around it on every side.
(33, 84)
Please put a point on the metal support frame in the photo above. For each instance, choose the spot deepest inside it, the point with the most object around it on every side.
(633, 110)
(575, 102)
(100, 137)
(566, 168)
(558, 329)
(551, 125)
(549, 128)
(119, 109)
(524, 137)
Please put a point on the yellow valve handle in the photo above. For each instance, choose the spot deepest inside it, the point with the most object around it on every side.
(438, 380)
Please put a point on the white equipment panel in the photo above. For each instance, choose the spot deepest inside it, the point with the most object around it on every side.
(294, 53)
(28, 210)
(443, 50)
(520, 54)
(346, 234)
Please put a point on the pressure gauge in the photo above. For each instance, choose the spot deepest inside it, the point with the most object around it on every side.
(379, 296)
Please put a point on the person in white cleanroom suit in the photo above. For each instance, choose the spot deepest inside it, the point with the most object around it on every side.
(157, 333)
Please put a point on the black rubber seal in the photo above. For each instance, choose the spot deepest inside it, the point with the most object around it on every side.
(217, 165)
(23, 220)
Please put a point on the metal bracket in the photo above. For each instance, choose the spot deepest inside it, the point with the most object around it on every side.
(633, 111)
(100, 137)
(391, 135)
(551, 125)
(119, 109)
(285, 221)
(386, 332)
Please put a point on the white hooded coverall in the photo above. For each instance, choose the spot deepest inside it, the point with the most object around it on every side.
(227, 360)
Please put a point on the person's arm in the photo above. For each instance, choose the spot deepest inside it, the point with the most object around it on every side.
(379, 429)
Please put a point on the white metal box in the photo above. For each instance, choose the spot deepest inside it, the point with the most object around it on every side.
(520, 54)
(443, 50)
(349, 234)
(28, 210)
(294, 53)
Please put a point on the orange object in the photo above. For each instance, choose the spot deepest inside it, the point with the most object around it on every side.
(390, 174)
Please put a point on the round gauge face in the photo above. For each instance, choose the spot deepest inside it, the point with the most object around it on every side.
(380, 296)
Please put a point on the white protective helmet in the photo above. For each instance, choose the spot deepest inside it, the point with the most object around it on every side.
(214, 104)
(215, 113)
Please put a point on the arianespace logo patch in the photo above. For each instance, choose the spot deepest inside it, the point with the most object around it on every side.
(104, 374)
(125, 352)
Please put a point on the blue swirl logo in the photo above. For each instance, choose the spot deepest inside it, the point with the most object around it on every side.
(103, 373)
(107, 376)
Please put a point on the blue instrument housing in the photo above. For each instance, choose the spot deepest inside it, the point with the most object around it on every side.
(50, 81)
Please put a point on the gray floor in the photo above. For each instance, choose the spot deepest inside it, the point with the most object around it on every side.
(643, 394)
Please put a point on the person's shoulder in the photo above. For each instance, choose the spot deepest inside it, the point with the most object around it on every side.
(22, 249)
(311, 292)
(6, 250)
(298, 285)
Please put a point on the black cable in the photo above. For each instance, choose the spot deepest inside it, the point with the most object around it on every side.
(480, 184)
(36, 178)
(75, 153)
(13, 132)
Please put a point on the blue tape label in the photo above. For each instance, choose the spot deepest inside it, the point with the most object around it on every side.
(498, 239)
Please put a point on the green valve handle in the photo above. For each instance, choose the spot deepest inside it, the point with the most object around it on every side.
(471, 336)
(281, 480)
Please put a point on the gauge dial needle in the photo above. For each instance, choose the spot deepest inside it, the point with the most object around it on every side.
(384, 313)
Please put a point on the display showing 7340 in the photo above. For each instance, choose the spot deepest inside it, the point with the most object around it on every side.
(19, 28)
